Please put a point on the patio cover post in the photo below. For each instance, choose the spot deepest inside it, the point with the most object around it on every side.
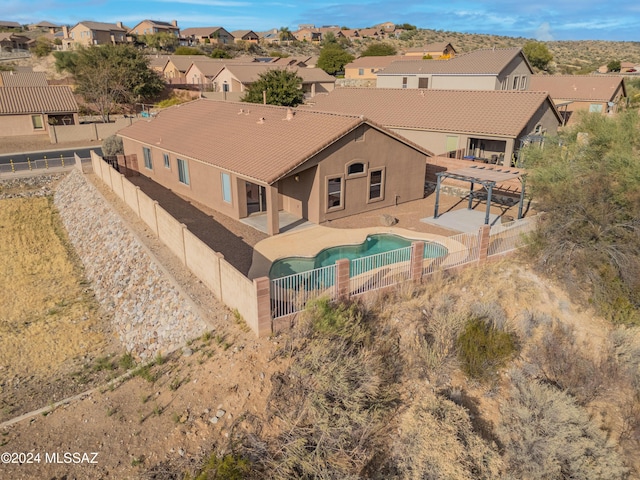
(435, 211)
(522, 181)
(471, 196)
(273, 220)
(487, 216)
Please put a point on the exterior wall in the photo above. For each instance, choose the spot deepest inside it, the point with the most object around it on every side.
(249, 37)
(13, 125)
(226, 76)
(195, 76)
(88, 131)
(376, 150)
(544, 117)
(463, 82)
(519, 68)
(367, 73)
(85, 36)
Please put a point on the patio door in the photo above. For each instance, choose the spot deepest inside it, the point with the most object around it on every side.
(256, 198)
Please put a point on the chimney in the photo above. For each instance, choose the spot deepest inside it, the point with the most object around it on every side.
(65, 31)
(174, 23)
(290, 114)
(119, 24)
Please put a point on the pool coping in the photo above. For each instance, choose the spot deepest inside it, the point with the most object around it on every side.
(310, 241)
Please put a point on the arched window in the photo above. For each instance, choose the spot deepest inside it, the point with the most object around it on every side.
(355, 168)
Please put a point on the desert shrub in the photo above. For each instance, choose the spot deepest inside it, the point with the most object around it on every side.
(333, 399)
(546, 435)
(226, 467)
(567, 364)
(112, 146)
(483, 348)
(438, 440)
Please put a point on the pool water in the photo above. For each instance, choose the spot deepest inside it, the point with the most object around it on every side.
(372, 245)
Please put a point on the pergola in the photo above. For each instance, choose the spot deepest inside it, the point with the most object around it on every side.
(486, 176)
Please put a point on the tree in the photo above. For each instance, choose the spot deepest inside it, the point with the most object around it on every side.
(333, 58)
(220, 53)
(613, 66)
(538, 54)
(379, 50)
(109, 76)
(66, 61)
(285, 34)
(160, 41)
(42, 47)
(282, 87)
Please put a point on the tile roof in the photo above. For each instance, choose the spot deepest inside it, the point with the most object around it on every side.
(100, 26)
(24, 79)
(24, 100)
(183, 62)
(242, 33)
(200, 31)
(489, 112)
(208, 69)
(578, 87)
(486, 61)
(9, 24)
(249, 73)
(232, 136)
(45, 24)
(376, 62)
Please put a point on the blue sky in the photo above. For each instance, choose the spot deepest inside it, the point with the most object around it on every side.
(541, 19)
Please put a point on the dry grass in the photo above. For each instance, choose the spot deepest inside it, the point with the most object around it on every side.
(48, 314)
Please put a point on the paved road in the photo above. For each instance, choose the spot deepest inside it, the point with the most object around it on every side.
(50, 154)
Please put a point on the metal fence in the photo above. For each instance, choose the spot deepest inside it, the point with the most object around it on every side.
(510, 236)
(379, 270)
(39, 164)
(291, 293)
(461, 249)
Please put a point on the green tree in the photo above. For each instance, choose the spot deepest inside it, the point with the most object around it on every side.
(160, 41)
(282, 87)
(379, 50)
(110, 76)
(66, 61)
(538, 54)
(285, 34)
(188, 51)
(329, 38)
(588, 183)
(613, 66)
(333, 58)
(42, 47)
(220, 53)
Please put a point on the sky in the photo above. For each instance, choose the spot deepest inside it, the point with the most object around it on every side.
(540, 19)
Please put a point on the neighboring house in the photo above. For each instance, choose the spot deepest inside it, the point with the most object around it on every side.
(592, 93)
(11, 41)
(489, 125)
(350, 34)
(95, 33)
(45, 26)
(23, 79)
(200, 35)
(10, 25)
(158, 62)
(386, 27)
(487, 69)
(30, 110)
(435, 50)
(151, 27)
(292, 61)
(245, 36)
(252, 159)
(366, 68)
(308, 34)
(373, 33)
(203, 73)
(238, 77)
(175, 69)
(629, 67)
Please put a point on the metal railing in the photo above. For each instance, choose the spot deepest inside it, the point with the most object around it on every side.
(462, 248)
(291, 293)
(379, 270)
(36, 164)
(510, 236)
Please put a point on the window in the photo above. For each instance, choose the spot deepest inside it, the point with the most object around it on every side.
(595, 107)
(355, 168)
(516, 82)
(334, 193)
(404, 82)
(183, 171)
(226, 187)
(361, 71)
(423, 83)
(376, 180)
(523, 83)
(148, 163)
(167, 164)
(36, 120)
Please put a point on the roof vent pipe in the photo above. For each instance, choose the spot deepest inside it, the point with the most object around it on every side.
(290, 114)
(261, 120)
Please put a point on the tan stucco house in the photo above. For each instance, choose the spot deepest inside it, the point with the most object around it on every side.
(367, 68)
(245, 36)
(590, 93)
(433, 50)
(152, 27)
(489, 126)
(213, 35)
(88, 33)
(487, 69)
(249, 159)
(30, 110)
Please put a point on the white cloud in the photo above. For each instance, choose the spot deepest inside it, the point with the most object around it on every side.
(543, 32)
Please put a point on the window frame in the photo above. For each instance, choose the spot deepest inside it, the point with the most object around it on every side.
(148, 158)
(361, 71)
(37, 122)
(405, 81)
(225, 187)
(523, 82)
(356, 174)
(167, 160)
(516, 82)
(421, 80)
(183, 173)
(340, 206)
(381, 185)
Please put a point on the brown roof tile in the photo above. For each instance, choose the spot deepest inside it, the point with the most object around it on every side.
(23, 79)
(23, 100)
(200, 31)
(430, 47)
(376, 62)
(249, 73)
(501, 112)
(232, 136)
(577, 87)
(100, 26)
(486, 61)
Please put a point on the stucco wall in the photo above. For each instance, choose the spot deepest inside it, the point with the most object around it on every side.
(12, 125)
(462, 82)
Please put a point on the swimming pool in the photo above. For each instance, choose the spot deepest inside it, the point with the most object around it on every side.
(373, 244)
